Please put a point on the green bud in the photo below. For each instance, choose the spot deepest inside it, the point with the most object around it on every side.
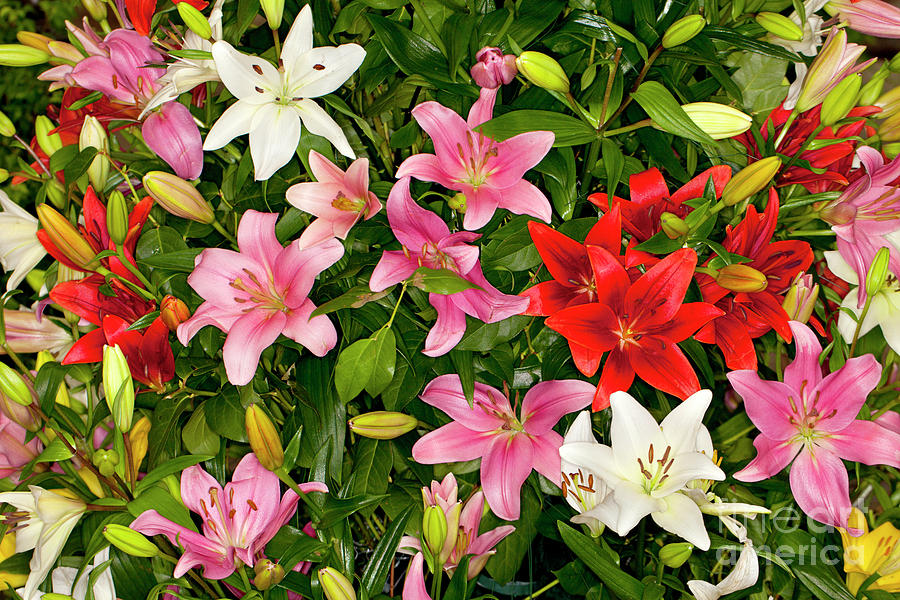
(17, 55)
(177, 196)
(117, 216)
(718, 121)
(95, 8)
(673, 226)
(263, 437)
(878, 271)
(13, 386)
(780, 26)
(891, 150)
(840, 100)
(750, 180)
(118, 387)
(273, 9)
(543, 71)
(54, 596)
(676, 554)
(894, 64)
(93, 135)
(49, 142)
(382, 425)
(434, 528)
(7, 129)
(683, 30)
(335, 585)
(55, 191)
(194, 20)
(268, 574)
(129, 541)
(4, 175)
(871, 91)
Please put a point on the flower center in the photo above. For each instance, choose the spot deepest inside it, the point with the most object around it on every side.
(656, 471)
(627, 333)
(806, 417)
(342, 202)
(582, 489)
(474, 158)
(261, 295)
(433, 258)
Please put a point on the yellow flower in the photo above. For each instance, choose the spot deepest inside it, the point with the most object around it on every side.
(877, 551)
(9, 580)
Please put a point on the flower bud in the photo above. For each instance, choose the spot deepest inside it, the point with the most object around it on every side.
(780, 26)
(63, 50)
(13, 386)
(683, 30)
(676, 554)
(889, 130)
(18, 413)
(173, 312)
(177, 196)
(4, 175)
(55, 191)
(673, 226)
(543, 71)
(741, 278)
(268, 574)
(382, 424)
(17, 55)
(7, 129)
(117, 216)
(118, 387)
(892, 150)
(894, 64)
(840, 100)
(138, 436)
(493, 68)
(34, 40)
(264, 439)
(458, 203)
(273, 9)
(129, 541)
(66, 238)
(750, 180)
(800, 299)
(718, 121)
(95, 8)
(878, 271)
(93, 135)
(49, 142)
(335, 585)
(434, 529)
(55, 596)
(195, 20)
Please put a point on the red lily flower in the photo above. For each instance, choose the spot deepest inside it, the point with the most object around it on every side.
(638, 324)
(650, 199)
(141, 12)
(749, 315)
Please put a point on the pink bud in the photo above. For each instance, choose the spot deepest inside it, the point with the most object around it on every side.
(493, 68)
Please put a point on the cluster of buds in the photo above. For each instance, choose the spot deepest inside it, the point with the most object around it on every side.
(835, 61)
(800, 299)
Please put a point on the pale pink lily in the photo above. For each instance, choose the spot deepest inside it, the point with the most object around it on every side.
(871, 17)
(809, 422)
(339, 199)
(835, 61)
(27, 332)
(509, 446)
(15, 452)
(427, 242)
(414, 583)
(238, 521)
(489, 173)
(259, 293)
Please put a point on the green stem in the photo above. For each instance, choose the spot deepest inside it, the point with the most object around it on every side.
(120, 252)
(245, 579)
(609, 85)
(277, 41)
(785, 127)
(436, 584)
(811, 232)
(396, 306)
(884, 409)
(284, 476)
(131, 285)
(639, 553)
(627, 128)
(637, 84)
(544, 589)
(862, 317)
(225, 233)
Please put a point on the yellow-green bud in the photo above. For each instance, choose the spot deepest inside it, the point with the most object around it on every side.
(891, 150)
(7, 129)
(800, 299)
(840, 100)
(177, 196)
(49, 142)
(543, 71)
(118, 387)
(382, 424)
(4, 175)
(780, 26)
(17, 55)
(55, 596)
(117, 217)
(263, 437)
(335, 585)
(34, 40)
(673, 226)
(894, 63)
(106, 461)
(13, 386)
(458, 203)
(878, 271)
(434, 529)
(273, 9)
(741, 278)
(93, 135)
(889, 130)
(718, 121)
(683, 30)
(63, 50)
(870, 92)
(66, 238)
(268, 574)
(750, 180)
(737, 9)
(55, 191)
(129, 541)
(95, 8)
(676, 554)
(194, 20)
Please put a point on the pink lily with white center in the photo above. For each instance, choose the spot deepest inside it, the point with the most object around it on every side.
(509, 446)
(238, 521)
(339, 199)
(259, 293)
(488, 172)
(810, 423)
(427, 242)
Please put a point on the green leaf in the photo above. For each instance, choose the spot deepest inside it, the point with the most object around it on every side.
(181, 261)
(46, 384)
(440, 281)
(660, 243)
(744, 42)
(291, 545)
(613, 163)
(512, 550)
(355, 297)
(667, 113)
(568, 130)
(761, 81)
(385, 352)
(159, 499)
(482, 337)
(338, 509)
(79, 164)
(62, 157)
(170, 467)
(558, 168)
(55, 451)
(464, 365)
(354, 369)
(620, 583)
(81, 103)
(225, 415)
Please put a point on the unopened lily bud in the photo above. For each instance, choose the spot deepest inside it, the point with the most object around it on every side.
(13, 386)
(750, 180)
(66, 238)
(676, 554)
(273, 9)
(840, 100)
(139, 439)
(4, 175)
(177, 196)
(683, 30)
(268, 574)
(894, 63)
(673, 226)
(493, 68)
(458, 203)
(878, 271)
(335, 585)
(263, 437)
(34, 40)
(18, 413)
(95, 8)
(56, 192)
(780, 26)
(18, 55)
(55, 596)
(118, 387)
(93, 135)
(173, 312)
(870, 92)
(889, 130)
(543, 71)
(117, 217)
(195, 20)
(7, 129)
(741, 278)
(129, 541)
(63, 50)
(382, 424)
(800, 299)
(434, 529)
(49, 142)
(718, 121)
(891, 150)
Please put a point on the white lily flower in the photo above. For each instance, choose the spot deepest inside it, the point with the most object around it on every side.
(583, 489)
(744, 574)
(812, 30)
(649, 464)
(20, 250)
(42, 522)
(272, 102)
(63, 579)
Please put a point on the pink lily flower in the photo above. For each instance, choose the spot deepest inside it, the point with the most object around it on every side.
(15, 452)
(493, 68)
(835, 61)
(810, 423)
(414, 583)
(489, 173)
(238, 521)
(509, 446)
(121, 73)
(871, 17)
(259, 293)
(339, 199)
(427, 242)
